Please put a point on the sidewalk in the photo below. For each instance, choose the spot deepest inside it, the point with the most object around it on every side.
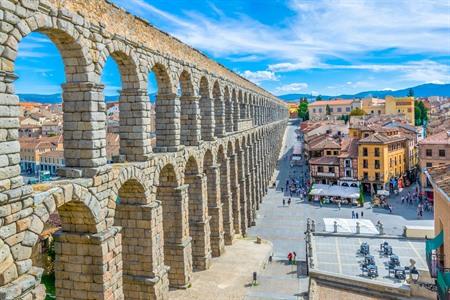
(230, 275)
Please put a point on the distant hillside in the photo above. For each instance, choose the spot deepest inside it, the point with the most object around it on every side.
(424, 90)
(57, 98)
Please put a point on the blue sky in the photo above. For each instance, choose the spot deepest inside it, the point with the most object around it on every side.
(286, 46)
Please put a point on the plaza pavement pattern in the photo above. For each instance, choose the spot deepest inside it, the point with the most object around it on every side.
(284, 226)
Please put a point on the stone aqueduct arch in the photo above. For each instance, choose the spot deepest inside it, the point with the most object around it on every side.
(130, 230)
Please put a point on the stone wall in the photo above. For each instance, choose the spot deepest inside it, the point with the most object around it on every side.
(131, 229)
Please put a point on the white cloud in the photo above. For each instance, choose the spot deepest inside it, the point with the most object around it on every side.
(259, 76)
(292, 88)
(318, 32)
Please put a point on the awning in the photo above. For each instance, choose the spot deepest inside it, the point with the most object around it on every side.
(435, 243)
(383, 192)
(334, 191)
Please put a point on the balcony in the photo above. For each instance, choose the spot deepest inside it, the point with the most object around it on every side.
(326, 174)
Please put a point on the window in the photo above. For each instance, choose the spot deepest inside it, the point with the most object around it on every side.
(365, 176)
(377, 176)
(347, 109)
(331, 109)
(365, 163)
(348, 173)
(441, 152)
(328, 152)
(339, 109)
(377, 152)
(320, 169)
(371, 111)
(364, 151)
(314, 110)
(429, 152)
(331, 169)
(336, 152)
(320, 110)
(366, 135)
(429, 165)
(348, 163)
(377, 164)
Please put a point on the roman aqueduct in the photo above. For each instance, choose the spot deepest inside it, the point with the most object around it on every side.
(131, 229)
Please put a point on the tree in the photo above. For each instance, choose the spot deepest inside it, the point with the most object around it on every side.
(417, 116)
(410, 92)
(357, 112)
(328, 110)
(420, 113)
(319, 98)
(303, 110)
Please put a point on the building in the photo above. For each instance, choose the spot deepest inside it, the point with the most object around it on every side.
(438, 249)
(293, 110)
(404, 106)
(433, 151)
(31, 150)
(318, 110)
(348, 162)
(381, 158)
(51, 161)
(373, 106)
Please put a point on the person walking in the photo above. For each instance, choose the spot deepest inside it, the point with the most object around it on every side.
(294, 257)
(339, 205)
(289, 201)
(290, 258)
(403, 200)
(284, 202)
(356, 215)
(362, 214)
(353, 214)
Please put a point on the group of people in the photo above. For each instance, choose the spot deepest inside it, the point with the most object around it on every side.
(415, 198)
(292, 258)
(356, 215)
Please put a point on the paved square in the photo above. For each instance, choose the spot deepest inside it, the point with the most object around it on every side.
(339, 254)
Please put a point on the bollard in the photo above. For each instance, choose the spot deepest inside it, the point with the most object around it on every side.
(335, 227)
(358, 228)
(313, 226)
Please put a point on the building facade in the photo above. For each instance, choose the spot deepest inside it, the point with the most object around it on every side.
(319, 110)
(433, 151)
(438, 249)
(380, 159)
(404, 106)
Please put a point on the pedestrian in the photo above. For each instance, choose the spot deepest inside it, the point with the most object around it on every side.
(282, 190)
(339, 205)
(390, 209)
(294, 257)
(356, 215)
(403, 200)
(290, 258)
(353, 214)
(289, 201)
(320, 202)
(284, 201)
(362, 214)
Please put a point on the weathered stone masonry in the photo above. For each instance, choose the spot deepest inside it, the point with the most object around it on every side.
(132, 229)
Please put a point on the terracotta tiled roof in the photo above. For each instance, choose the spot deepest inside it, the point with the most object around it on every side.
(327, 143)
(324, 160)
(440, 176)
(331, 102)
(380, 138)
(349, 147)
(441, 138)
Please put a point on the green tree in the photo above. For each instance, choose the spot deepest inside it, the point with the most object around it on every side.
(410, 93)
(357, 112)
(328, 110)
(417, 116)
(319, 98)
(420, 113)
(303, 110)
